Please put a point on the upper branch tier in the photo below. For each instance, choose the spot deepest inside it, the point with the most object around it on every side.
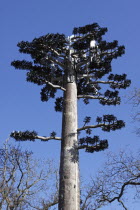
(55, 58)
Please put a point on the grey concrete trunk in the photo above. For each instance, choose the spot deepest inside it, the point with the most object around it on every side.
(69, 192)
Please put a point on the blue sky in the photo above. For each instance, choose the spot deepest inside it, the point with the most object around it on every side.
(20, 103)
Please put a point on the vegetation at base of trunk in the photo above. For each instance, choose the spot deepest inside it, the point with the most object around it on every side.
(25, 185)
(24, 181)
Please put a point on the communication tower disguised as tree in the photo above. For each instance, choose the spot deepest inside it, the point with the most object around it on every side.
(76, 65)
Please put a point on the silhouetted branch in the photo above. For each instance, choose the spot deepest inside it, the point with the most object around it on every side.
(90, 97)
(54, 60)
(55, 86)
(42, 138)
(92, 126)
(111, 184)
(31, 136)
(81, 64)
(22, 178)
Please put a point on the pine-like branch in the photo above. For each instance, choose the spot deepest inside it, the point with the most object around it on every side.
(31, 136)
(86, 146)
(114, 84)
(51, 54)
(107, 123)
(54, 51)
(78, 66)
(81, 38)
(90, 97)
(92, 144)
(92, 126)
(54, 60)
(103, 100)
(92, 148)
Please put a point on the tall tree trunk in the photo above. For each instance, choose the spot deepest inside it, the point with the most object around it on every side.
(69, 192)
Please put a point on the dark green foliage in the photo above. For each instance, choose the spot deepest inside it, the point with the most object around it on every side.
(93, 144)
(41, 71)
(86, 101)
(116, 125)
(59, 104)
(110, 98)
(107, 123)
(103, 144)
(53, 55)
(98, 63)
(121, 81)
(109, 118)
(53, 134)
(47, 92)
(93, 29)
(99, 120)
(87, 120)
(88, 131)
(110, 122)
(87, 87)
(24, 136)
(40, 46)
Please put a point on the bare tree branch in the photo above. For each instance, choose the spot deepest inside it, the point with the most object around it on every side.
(21, 180)
(134, 99)
(80, 38)
(91, 97)
(54, 60)
(111, 184)
(54, 51)
(43, 138)
(92, 126)
(105, 82)
(55, 86)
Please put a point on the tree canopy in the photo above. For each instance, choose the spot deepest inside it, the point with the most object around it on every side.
(89, 57)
